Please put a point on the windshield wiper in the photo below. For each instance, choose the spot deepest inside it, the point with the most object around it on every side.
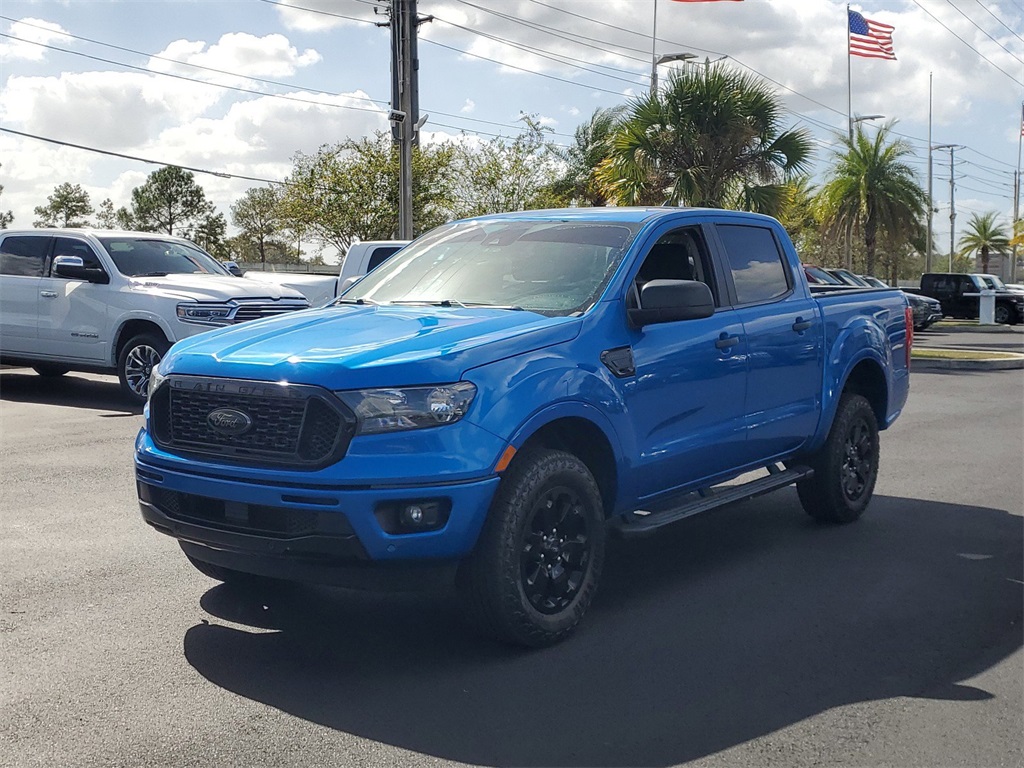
(513, 307)
(152, 274)
(357, 302)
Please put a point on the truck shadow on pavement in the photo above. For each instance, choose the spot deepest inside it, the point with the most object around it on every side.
(721, 630)
(72, 390)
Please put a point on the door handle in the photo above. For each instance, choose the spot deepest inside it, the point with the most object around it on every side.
(48, 294)
(725, 341)
(801, 325)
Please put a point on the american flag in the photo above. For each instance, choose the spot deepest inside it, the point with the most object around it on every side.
(870, 39)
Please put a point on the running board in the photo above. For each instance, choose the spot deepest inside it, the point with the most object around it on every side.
(643, 522)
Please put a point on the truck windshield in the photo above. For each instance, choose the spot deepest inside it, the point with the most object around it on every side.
(550, 267)
(138, 257)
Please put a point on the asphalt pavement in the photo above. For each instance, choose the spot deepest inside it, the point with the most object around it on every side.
(750, 636)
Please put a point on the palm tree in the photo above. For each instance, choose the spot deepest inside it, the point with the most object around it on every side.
(871, 189)
(589, 149)
(983, 236)
(713, 137)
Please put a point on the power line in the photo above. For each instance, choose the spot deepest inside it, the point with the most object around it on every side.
(982, 30)
(954, 34)
(1009, 29)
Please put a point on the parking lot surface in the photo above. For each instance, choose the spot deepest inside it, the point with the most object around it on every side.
(747, 637)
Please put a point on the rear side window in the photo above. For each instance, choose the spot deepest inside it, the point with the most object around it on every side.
(380, 255)
(758, 271)
(23, 255)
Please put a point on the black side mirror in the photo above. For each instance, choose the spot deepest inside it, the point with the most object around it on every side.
(666, 301)
(233, 268)
(73, 267)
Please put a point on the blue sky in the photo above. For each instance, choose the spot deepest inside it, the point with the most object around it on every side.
(482, 64)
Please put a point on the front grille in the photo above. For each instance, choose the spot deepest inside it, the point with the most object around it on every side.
(283, 425)
(278, 522)
(254, 310)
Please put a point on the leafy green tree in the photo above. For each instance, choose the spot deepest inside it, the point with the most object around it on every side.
(275, 251)
(68, 206)
(6, 217)
(714, 137)
(170, 201)
(349, 191)
(870, 189)
(589, 150)
(106, 216)
(984, 235)
(506, 175)
(209, 232)
(799, 215)
(258, 215)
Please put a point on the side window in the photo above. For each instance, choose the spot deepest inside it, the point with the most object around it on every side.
(66, 246)
(681, 254)
(380, 255)
(23, 255)
(758, 269)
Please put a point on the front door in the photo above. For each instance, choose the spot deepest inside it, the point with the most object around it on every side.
(686, 399)
(73, 314)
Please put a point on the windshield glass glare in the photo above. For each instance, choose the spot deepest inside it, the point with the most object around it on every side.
(137, 257)
(550, 267)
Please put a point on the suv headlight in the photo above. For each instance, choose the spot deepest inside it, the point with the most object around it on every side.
(400, 408)
(204, 314)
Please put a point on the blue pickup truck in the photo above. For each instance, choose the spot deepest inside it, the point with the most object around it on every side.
(500, 396)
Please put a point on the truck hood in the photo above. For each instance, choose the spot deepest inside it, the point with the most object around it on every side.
(352, 347)
(206, 287)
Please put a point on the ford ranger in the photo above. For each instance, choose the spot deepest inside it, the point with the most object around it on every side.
(506, 391)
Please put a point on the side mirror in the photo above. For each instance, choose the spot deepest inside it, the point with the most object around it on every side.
(73, 267)
(666, 301)
(233, 268)
(348, 282)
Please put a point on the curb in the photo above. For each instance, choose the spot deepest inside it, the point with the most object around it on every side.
(951, 364)
(970, 328)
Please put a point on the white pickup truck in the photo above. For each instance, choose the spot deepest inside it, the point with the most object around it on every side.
(105, 301)
(320, 289)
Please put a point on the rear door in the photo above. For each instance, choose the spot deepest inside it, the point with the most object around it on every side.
(782, 328)
(21, 266)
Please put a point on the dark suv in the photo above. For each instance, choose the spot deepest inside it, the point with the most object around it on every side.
(960, 297)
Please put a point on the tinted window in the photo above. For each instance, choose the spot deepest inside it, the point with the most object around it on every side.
(65, 246)
(380, 255)
(678, 255)
(758, 270)
(23, 255)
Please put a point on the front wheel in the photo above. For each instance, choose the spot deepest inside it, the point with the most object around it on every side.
(539, 557)
(845, 467)
(137, 359)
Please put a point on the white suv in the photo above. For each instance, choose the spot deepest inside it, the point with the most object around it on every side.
(105, 301)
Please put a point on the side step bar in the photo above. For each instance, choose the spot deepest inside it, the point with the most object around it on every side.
(642, 522)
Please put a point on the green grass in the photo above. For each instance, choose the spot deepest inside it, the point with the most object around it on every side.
(962, 354)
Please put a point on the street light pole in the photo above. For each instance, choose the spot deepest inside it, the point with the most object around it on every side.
(952, 196)
(665, 59)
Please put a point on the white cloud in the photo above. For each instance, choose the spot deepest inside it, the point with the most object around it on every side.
(34, 31)
(468, 107)
(238, 53)
(319, 15)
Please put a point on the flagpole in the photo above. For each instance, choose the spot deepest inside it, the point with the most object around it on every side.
(1016, 198)
(654, 51)
(848, 240)
(928, 245)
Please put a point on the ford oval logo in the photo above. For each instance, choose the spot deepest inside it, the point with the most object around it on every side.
(229, 421)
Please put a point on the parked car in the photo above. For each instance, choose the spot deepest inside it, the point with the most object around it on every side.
(874, 282)
(848, 278)
(927, 311)
(114, 302)
(319, 289)
(820, 276)
(566, 374)
(960, 296)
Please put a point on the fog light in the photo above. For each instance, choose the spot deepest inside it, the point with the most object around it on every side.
(413, 516)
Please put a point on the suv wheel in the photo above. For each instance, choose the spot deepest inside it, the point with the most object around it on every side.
(138, 357)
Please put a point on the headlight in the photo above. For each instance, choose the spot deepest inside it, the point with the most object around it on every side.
(155, 380)
(204, 314)
(393, 410)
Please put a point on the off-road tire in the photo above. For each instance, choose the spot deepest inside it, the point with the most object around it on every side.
(541, 489)
(49, 370)
(137, 357)
(845, 467)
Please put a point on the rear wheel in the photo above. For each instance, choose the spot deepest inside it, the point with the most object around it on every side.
(539, 557)
(49, 370)
(845, 467)
(136, 361)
